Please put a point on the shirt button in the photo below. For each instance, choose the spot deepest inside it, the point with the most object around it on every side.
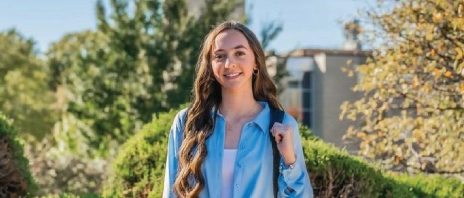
(236, 186)
(242, 146)
(239, 165)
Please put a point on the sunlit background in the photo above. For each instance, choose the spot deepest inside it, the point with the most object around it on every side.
(89, 89)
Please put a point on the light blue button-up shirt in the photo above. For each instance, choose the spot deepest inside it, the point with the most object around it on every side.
(253, 174)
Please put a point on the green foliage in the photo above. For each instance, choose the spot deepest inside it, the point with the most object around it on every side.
(67, 195)
(25, 96)
(139, 62)
(78, 77)
(139, 170)
(58, 170)
(109, 82)
(431, 185)
(15, 178)
(337, 174)
(192, 33)
(139, 167)
(412, 114)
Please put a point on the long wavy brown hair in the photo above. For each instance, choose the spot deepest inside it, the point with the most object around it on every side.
(205, 97)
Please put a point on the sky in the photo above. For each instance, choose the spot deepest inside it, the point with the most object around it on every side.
(306, 23)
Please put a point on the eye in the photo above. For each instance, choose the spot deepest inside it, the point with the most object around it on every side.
(218, 56)
(239, 53)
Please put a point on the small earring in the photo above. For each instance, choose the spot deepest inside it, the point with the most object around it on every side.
(255, 72)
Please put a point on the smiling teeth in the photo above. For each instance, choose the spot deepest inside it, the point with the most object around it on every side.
(233, 75)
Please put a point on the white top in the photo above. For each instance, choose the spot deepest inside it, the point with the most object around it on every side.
(228, 165)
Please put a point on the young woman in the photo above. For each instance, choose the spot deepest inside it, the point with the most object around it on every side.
(220, 146)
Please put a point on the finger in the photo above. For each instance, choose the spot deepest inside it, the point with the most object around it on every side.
(278, 127)
(276, 130)
(276, 124)
(277, 134)
(278, 138)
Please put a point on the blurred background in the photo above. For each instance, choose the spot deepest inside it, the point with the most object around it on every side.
(308, 23)
(382, 80)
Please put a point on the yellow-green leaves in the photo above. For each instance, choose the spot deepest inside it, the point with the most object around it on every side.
(412, 112)
(24, 93)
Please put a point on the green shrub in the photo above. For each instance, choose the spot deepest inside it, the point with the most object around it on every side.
(139, 167)
(428, 186)
(67, 195)
(15, 177)
(335, 173)
(139, 170)
(58, 171)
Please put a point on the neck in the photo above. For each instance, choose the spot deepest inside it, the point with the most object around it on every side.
(235, 105)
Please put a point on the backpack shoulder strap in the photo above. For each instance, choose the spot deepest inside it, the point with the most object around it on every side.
(276, 115)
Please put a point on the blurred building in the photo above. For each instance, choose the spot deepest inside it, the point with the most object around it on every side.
(316, 86)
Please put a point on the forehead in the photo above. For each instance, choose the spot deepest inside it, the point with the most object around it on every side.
(230, 39)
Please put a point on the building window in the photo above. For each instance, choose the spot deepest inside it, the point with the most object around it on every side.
(293, 84)
(297, 96)
(307, 91)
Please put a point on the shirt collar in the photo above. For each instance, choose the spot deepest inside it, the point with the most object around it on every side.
(262, 119)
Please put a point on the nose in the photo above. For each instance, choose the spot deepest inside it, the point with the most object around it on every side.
(230, 63)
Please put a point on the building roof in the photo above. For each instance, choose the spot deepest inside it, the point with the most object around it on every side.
(312, 52)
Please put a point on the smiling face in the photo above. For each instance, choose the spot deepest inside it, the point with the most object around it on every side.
(232, 61)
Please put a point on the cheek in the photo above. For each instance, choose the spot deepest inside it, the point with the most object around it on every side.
(248, 64)
(216, 68)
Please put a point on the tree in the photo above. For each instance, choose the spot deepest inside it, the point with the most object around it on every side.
(276, 63)
(16, 179)
(114, 79)
(24, 93)
(139, 62)
(194, 35)
(412, 112)
(191, 34)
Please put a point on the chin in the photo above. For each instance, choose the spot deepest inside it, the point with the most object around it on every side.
(236, 87)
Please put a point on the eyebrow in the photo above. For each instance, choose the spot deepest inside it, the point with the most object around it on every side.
(236, 47)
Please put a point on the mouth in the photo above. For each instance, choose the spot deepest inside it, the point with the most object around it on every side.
(232, 75)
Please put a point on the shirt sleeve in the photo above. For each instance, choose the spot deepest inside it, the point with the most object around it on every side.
(295, 178)
(175, 139)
